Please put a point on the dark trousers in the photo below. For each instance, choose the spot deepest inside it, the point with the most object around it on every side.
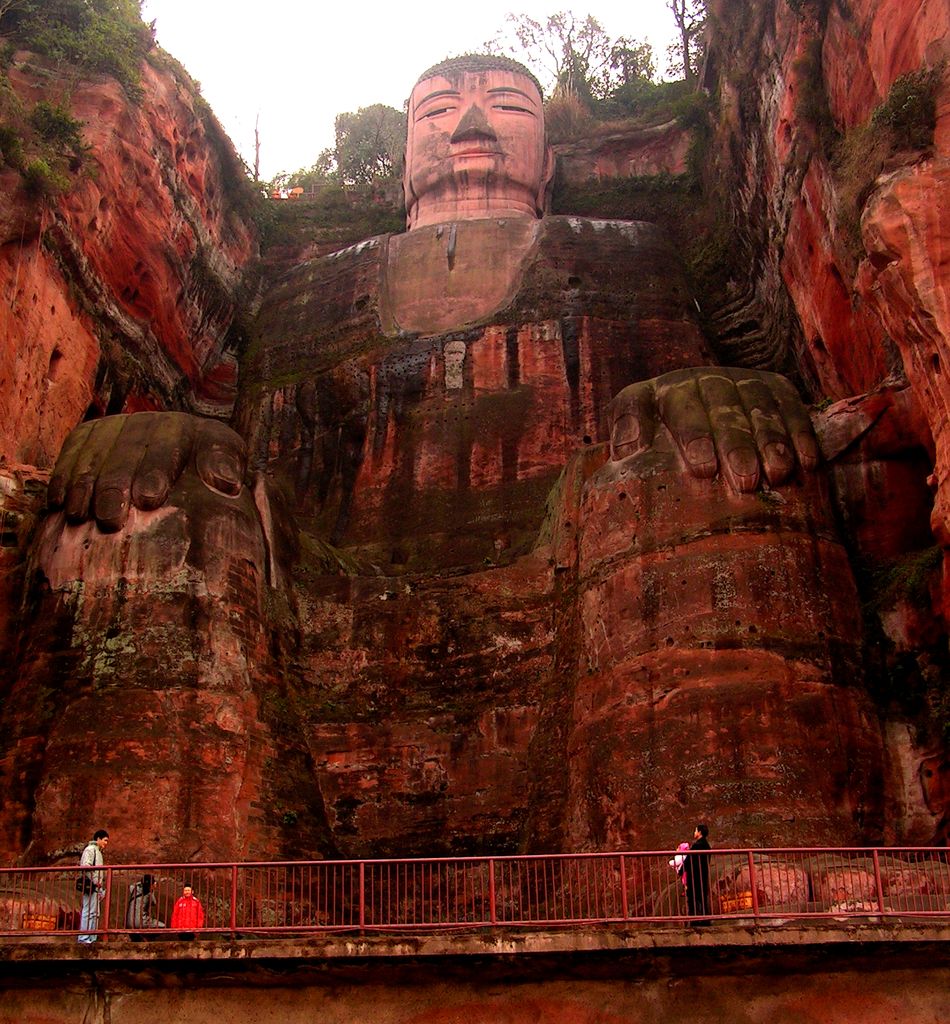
(697, 899)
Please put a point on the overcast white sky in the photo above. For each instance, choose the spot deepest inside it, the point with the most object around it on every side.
(299, 63)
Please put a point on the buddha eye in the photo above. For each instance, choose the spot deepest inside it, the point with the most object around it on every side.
(511, 107)
(437, 112)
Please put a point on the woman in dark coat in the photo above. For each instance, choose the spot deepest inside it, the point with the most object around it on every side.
(697, 874)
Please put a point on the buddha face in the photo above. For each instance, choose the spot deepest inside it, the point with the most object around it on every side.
(475, 148)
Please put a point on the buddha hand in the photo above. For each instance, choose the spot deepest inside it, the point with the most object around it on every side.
(740, 423)
(108, 465)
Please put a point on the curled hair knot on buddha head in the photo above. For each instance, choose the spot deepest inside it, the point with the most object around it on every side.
(473, 63)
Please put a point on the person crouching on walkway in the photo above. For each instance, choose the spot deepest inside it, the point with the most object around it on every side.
(139, 913)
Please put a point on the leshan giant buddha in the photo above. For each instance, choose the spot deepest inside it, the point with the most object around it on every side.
(352, 624)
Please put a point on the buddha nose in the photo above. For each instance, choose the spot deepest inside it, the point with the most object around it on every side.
(474, 125)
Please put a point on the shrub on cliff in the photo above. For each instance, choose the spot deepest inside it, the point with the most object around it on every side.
(43, 143)
(910, 111)
(11, 146)
(57, 126)
(811, 101)
(41, 181)
(566, 119)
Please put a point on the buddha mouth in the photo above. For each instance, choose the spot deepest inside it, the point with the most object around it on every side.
(476, 151)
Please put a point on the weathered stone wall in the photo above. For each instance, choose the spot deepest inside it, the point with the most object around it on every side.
(642, 152)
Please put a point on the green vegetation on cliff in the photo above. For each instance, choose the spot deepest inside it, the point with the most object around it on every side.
(911, 683)
(899, 129)
(330, 217)
(67, 41)
(43, 143)
(107, 36)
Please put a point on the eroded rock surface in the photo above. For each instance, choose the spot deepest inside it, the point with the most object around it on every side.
(839, 198)
(120, 294)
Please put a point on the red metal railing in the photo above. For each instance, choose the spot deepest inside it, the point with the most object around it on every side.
(479, 892)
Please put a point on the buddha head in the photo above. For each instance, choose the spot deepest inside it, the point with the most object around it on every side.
(475, 145)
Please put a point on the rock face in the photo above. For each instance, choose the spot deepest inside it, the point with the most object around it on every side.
(121, 293)
(449, 618)
(867, 307)
(643, 153)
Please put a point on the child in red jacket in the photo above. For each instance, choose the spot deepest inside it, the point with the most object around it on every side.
(188, 912)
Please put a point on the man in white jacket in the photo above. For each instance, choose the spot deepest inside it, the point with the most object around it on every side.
(92, 882)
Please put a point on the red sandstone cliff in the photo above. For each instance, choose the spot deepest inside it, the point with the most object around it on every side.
(838, 179)
(852, 227)
(120, 293)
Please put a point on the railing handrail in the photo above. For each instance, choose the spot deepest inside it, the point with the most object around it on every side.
(484, 891)
(481, 858)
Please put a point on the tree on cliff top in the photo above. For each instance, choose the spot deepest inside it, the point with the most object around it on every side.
(369, 144)
(686, 55)
(574, 57)
(572, 53)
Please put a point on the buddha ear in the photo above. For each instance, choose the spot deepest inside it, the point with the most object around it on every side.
(547, 181)
(408, 195)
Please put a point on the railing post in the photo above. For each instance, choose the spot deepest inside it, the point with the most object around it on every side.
(106, 905)
(234, 880)
(877, 881)
(752, 886)
(625, 910)
(362, 896)
(491, 890)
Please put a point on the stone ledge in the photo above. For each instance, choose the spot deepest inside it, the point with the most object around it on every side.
(722, 938)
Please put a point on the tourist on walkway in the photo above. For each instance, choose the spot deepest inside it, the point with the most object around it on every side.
(188, 913)
(697, 875)
(142, 901)
(91, 884)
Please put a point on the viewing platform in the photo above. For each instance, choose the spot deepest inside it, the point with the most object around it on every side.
(471, 904)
